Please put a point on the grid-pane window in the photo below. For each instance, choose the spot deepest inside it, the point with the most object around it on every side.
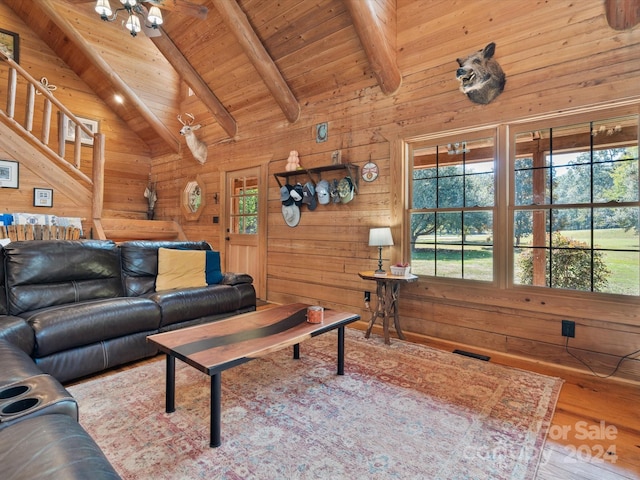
(452, 209)
(576, 208)
(244, 206)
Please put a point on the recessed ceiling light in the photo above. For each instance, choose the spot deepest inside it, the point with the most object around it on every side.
(118, 98)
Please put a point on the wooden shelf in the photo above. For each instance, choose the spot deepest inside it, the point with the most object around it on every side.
(349, 167)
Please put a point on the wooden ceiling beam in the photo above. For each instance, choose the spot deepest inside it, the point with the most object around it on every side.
(189, 74)
(370, 21)
(82, 47)
(237, 22)
(622, 14)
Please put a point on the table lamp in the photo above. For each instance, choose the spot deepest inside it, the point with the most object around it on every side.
(380, 237)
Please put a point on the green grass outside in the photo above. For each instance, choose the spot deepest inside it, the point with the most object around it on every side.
(478, 258)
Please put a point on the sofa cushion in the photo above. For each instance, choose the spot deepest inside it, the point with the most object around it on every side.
(52, 447)
(45, 273)
(140, 262)
(180, 269)
(75, 325)
(212, 270)
(190, 303)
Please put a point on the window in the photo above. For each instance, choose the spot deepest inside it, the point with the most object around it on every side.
(452, 209)
(244, 206)
(576, 207)
(558, 209)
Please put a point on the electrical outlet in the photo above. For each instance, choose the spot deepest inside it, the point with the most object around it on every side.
(367, 296)
(568, 328)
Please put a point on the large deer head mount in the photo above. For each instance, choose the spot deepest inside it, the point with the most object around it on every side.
(198, 148)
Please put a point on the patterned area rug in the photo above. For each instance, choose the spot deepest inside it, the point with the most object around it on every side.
(401, 411)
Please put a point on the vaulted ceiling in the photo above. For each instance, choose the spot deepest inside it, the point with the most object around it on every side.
(245, 60)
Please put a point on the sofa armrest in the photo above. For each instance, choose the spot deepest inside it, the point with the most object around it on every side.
(17, 331)
(52, 446)
(230, 278)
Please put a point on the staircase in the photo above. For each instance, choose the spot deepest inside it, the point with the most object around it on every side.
(61, 167)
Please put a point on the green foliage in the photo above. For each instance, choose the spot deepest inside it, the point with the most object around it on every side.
(452, 189)
(571, 266)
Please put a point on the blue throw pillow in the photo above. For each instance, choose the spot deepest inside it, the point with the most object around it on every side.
(212, 270)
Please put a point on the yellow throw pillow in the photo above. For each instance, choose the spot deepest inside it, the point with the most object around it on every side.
(180, 269)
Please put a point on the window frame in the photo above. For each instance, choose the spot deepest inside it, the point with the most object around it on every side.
(504, 208)
(555, 122)
(431, 141)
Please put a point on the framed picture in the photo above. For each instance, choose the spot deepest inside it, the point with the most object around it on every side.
(10, 43)
(9, 174)
(42, 197)
(70, 130)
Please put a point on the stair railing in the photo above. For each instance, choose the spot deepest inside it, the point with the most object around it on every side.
(16, 76)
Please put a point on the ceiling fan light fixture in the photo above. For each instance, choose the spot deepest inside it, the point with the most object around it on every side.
(133, 25)
(154, 17)
(135, 15)
(103, 8)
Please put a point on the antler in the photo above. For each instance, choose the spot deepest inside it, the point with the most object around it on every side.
(188, 115)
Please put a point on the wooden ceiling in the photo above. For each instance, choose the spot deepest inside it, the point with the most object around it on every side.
(246, 61)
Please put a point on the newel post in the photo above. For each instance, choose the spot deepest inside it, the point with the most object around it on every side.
(98, 175)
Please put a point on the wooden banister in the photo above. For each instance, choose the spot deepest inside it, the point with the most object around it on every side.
(34, 86)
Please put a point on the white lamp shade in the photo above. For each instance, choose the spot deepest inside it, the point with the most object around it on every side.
(155, 16)
(103, 8)
(133, 24)
(129, 3)
(380, 237)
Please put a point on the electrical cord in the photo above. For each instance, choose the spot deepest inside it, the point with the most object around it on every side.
(628, 355)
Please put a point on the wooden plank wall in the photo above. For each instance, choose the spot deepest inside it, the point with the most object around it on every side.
(127, 158)
(557, 56)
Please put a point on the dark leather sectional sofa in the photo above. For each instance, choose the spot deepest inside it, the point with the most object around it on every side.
(69, 309)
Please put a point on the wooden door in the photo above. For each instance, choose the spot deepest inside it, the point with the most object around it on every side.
(243, 220)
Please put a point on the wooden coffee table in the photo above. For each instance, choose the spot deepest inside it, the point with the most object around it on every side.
(215, 347)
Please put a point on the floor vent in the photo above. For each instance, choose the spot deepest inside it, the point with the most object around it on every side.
(472, 355)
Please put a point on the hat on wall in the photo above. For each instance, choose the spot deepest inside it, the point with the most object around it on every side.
(297, 194)
(322, 190)
(345, 189)
(291, 214)
(333, 191)
(285, 197)
(309, 196)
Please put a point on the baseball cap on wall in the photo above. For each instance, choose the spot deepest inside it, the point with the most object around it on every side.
(333, 191)
(309, 196)
(296, 193)
(285, 197)
(322, 191)
(345, 189)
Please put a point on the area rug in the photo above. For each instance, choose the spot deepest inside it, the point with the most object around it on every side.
(400, 411)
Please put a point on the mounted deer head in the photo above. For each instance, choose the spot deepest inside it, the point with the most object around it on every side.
(198, 148)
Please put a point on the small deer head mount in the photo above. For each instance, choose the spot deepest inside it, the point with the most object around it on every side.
(198, 148)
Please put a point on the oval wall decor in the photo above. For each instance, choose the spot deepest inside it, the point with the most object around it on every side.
(370, 172)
